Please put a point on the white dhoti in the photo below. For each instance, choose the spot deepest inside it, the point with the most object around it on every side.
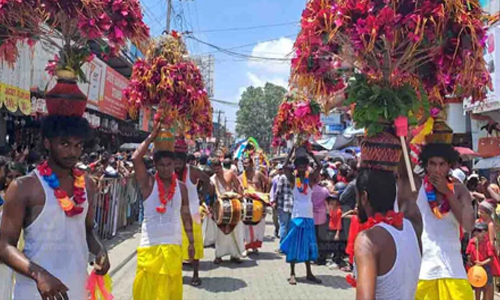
(231, 244)
(254, 235)
(210, 231)
(6, 282)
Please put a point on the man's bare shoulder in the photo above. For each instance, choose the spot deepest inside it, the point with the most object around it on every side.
(28, 186)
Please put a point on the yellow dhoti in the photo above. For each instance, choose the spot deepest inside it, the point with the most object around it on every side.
(444, 289)
(159, 273)
(198, 242)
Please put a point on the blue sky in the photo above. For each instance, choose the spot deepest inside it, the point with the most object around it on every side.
(232, 74)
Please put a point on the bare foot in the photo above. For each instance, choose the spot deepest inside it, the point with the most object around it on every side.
(312, 278)
(196, 281)
(236, 260)
(292, 280)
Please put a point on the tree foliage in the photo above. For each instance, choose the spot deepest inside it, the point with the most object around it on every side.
(258, 107)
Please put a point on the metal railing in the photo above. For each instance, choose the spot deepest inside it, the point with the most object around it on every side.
(117, 205)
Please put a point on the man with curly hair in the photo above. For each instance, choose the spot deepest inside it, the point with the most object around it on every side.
(446, 207)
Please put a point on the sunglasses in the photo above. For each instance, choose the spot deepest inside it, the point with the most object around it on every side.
(480, 230)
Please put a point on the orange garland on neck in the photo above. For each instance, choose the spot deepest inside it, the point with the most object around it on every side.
(165, 198)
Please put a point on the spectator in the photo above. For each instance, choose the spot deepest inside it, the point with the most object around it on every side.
(13, 170)
(481, 252)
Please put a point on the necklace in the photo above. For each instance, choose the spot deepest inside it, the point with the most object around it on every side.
(70, 208)
(165, 198)
(391, 218)
(302, 186)
(439, 210)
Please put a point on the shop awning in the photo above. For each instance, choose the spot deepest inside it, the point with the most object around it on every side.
(488, 163)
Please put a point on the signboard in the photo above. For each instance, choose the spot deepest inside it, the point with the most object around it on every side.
(145, 119)
(94, 89)
(492, 59)
(15, 83)
(113, 102)
(334, 128)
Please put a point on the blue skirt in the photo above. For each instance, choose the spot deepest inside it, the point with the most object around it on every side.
(300, 243)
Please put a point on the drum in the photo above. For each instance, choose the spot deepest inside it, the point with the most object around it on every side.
(253, 211)
(227, 211)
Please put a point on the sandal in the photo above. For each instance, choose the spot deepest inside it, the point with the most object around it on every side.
(292, 280)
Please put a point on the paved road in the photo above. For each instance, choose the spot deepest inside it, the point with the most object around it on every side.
(262, 276)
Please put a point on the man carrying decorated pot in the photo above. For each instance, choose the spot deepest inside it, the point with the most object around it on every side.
(192, 177)
(445, 206)
(166, 211)
(300, 243)
(53, 207)
(387, 251)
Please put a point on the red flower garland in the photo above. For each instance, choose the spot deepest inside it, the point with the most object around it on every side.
(69, 207)
(391, 218)
(165, 198)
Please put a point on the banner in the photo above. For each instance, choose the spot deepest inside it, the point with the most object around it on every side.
(113, 102)
(492, 59)
(15, 82)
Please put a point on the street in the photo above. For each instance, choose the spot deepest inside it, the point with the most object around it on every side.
(261, 276)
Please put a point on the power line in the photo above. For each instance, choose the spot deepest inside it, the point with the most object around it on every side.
(224, 102)
(151, 15)
(236, 54)
(247, 45)
(248, 28)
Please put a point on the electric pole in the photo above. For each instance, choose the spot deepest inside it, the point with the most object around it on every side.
(226, 144)
(169, 13)
(217, 135)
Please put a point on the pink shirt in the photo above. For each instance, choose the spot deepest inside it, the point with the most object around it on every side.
(319, 195)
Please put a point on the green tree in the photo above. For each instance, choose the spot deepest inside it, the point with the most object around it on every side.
(258, 107)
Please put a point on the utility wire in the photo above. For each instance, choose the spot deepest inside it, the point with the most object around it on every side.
(224, 102)
(246, 45)
(248, 28)
(236, 54)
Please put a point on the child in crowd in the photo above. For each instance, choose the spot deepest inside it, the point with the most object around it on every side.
(481, 252)
(353, 233)
(334, 228)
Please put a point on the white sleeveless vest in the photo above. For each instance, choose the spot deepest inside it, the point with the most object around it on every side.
(440, 244)
(401, 281)
(302, 203)
(162, 229)
(194, 200)
(58, 244)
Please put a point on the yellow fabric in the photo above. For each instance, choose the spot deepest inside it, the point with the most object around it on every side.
(159, 273)
(444, 289)
(198, 242)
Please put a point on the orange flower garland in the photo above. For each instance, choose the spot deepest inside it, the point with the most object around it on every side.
(391, 218)
(70, 208)
(165, 198)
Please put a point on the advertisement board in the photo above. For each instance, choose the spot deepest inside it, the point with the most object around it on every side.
(113, 102)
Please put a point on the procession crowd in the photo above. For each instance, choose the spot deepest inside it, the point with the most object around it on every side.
(367, 222)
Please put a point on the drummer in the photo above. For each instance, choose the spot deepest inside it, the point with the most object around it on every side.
(253, 180)
(232, 243)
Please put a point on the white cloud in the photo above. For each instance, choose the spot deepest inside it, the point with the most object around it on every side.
(281, 48)
(260, 80)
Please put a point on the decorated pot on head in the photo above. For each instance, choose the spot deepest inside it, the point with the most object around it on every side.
(165, 140)
(66, 99)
